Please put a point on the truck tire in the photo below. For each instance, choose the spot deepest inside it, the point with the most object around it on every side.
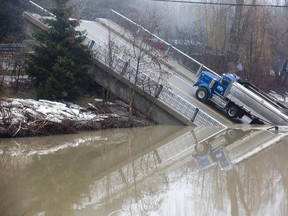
(201, 149)
(231, 133)
(202, 94)
(233, 112)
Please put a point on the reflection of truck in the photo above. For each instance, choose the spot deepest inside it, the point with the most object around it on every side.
(239, 98)
(232, 146)
(211, 150)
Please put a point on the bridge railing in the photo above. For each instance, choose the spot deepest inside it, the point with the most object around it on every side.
(167, 49)
(151, 86)
(35, 8)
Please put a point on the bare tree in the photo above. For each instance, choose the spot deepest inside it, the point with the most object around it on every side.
(278, 33)
(18, 79)
(142, 54)
(11, 67)
(5, 67)
(237, 30)
(143, 59)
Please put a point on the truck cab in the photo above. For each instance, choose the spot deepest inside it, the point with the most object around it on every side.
(214, 84)
(215, 88)
(212, 151)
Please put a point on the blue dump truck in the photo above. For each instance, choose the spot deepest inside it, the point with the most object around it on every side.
(240, 98)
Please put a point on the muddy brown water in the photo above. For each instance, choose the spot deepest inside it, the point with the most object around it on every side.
(156, 170)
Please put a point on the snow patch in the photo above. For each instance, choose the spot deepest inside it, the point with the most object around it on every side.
(17, 110)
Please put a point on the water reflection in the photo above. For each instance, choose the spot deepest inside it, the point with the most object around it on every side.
(159, 170)
(231, 146)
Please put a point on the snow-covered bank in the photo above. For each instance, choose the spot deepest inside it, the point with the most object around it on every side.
(28, 117)
(16, 110)
(281, 98)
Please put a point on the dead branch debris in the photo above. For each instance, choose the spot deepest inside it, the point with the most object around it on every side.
(21, 119)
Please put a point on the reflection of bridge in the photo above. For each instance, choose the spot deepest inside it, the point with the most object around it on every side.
(113, 166)
(164, 80)
(231, 146)
(144, 164)
(173, 152)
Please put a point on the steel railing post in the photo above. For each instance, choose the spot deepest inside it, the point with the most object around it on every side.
(194, 114)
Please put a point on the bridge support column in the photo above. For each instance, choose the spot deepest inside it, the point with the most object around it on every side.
(124, 68)
(158, 91)
(194, 115)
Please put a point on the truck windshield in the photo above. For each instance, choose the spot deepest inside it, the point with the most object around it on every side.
(225, 81)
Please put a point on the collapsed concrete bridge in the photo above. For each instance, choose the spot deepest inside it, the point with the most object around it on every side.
(157, 84)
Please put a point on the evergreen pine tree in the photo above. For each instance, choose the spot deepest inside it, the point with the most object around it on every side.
(59, 64)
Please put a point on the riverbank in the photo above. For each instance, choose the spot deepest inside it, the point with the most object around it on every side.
(28, 117)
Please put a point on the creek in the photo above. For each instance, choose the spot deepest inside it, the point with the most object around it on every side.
(155, 170)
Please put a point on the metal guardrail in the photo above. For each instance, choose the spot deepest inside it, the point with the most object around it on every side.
(11, 47)
(151, 86)
(168, 49)
(39, 10)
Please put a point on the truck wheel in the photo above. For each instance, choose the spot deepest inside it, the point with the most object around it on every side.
(231, 133)
(233, 112)
(202, 94)
(201, 148)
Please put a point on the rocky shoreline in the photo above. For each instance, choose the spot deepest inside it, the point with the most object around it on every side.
(28, 117)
